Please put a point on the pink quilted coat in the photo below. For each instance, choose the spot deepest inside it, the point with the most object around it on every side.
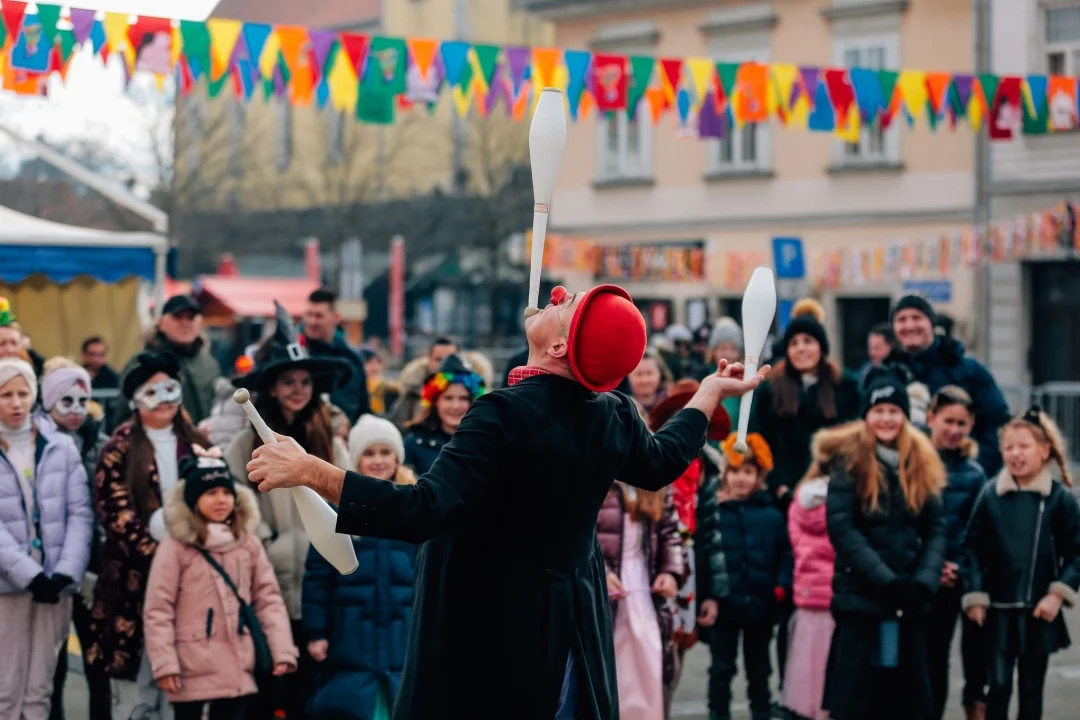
(814, 554)
(191, 616)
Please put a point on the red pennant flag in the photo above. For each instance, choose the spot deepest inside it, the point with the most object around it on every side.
(13, 14)
(671, 73)
(840, 92)
(610, 83)
(1006, 111)
(356, 47)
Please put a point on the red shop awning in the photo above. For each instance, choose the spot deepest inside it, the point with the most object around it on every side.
(254, 297)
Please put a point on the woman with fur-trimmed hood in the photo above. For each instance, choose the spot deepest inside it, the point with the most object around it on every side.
(198, 650)
(885, 521)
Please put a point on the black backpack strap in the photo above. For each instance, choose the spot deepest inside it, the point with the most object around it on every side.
(228, 581)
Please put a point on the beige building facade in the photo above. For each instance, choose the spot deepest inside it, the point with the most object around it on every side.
(630, 182)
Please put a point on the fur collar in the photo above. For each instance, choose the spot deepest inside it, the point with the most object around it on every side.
(415, 371)
(1005, 483)
(181, 521)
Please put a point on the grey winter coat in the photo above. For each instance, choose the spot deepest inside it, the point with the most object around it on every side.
(66, 518)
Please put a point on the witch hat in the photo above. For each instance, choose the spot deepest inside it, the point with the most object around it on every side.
(287, 350)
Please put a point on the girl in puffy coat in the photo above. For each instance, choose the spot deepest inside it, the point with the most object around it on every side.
(358, 625)
(201, 653)
(46, 526)
(1024, 562)
(812, 624)
(951, 418)
(884, 517)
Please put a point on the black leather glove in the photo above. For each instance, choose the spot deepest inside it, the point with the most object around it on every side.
(61, 583)
(42, 589)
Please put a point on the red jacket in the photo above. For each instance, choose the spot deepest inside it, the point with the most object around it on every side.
(814, 554)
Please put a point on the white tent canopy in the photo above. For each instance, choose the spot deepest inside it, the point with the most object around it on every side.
(19, 229)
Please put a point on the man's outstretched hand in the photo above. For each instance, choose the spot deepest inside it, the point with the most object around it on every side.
(730, 380)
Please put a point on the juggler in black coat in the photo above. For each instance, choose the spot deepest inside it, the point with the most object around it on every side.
(510, 578)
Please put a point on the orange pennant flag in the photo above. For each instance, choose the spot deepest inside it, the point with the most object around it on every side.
(752, 100)
(293, 40)
(544, 62)
(521, 105)
(585, 105)
(938, 85)
(657, 99)
(423, 52)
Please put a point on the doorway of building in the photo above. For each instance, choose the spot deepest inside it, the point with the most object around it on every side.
(857, 317)
(1055, 322)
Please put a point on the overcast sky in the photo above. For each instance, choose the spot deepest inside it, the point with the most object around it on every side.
(93, 104)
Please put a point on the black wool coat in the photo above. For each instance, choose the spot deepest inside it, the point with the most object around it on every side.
(510, 578)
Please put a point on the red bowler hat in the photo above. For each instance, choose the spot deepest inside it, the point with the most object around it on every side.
(681, 392)
(606, 339)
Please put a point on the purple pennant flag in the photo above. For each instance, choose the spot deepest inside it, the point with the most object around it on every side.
(279, 83)
(83, 22)
(498, 90)
(518, 59)
(963, 85)
(809, 76)
(240, 52)
(321, 43)
(710, 123)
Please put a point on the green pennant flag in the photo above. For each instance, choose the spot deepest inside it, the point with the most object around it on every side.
(465, 81)
(641, 70)
(1037, 121)
(375, 106)
(3, 33)
(196, 39)
(67, 43)
(214, 87)
(285, 74)
(888, 79)
(48, 16)
(952, 99)
(488, 57)
(931, 116)
(386, 67)
(268, 89)
(989, 85)
(727, 73)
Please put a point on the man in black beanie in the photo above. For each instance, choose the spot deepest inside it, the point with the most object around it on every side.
(939, 360)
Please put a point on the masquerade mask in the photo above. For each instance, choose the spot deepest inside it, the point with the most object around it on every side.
(150, 397)
(74, 402)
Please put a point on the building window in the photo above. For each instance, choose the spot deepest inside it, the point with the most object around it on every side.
(746, 148)
(1063, 40)
(875, 145)
(284, 146)
(625, 145)
(237, 118)
(335, 137)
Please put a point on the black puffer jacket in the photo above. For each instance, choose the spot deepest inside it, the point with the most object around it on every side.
(1023, 544)
(965, 481)
(757, 553)
(875, 548)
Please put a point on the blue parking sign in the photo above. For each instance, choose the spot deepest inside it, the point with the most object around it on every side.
(788, 258)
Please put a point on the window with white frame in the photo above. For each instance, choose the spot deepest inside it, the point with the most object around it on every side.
(237, 119)
(746, 148)
(1062, 39)
(624, 144)
(335, 136)
(875, 144)
(284, 145)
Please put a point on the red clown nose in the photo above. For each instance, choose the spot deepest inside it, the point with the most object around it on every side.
(558, 294)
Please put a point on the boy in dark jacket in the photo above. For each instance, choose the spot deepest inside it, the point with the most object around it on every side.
(757, 556)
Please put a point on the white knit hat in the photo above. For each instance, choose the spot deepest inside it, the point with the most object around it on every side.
(726, 329)
(11, 368)
(373, 430)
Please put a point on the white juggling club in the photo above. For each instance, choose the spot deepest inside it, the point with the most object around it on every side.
(758, 312)
(319, 518)
(547, 143)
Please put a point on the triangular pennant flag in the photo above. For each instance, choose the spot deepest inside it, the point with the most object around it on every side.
(455, 58)
(842, 96)
(255, 37)
(462, 99)
(963, 84)
(487, 56)
(989, 84)
(671, 77)
(67, 45)
(912, 87)
(867, 89)
(809, 79)
(683, 104)
(784, 76)
(823, 117)
(657, 99)
(294, 40)
(727, 76)
(97, 40)
(977, 108)
(223, 36)
(517, 61)
(116, 36)
(577, 69)
(521, 103)
(13, 13)
(641, 70)
(1036, 110)
(356, 47)
(214, 87)
(3, 44)
(423, 51)
(343, 82)
(499, 90)
(889, 99)
(937, 84)
(82, 22)
(323, 43)
(850, 129)
(48, 16)
(197, 47)
(701, 75)
(322, 94)
(545, 60)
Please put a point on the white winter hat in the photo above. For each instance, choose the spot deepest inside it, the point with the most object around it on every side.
(373, 430)
(726, 329)
(11, 368)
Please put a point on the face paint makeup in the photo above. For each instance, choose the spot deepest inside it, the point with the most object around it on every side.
(74, 402)
(150, 397)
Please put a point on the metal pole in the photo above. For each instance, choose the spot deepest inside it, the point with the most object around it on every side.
(981, 11)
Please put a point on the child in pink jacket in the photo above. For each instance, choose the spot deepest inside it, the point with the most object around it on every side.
(812, 624)
(198, 650)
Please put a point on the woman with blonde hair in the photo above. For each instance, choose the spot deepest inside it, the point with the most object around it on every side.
(357, 625)
(885, 520)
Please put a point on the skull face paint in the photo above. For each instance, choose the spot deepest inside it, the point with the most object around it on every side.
(74, 403)
(153, 396)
